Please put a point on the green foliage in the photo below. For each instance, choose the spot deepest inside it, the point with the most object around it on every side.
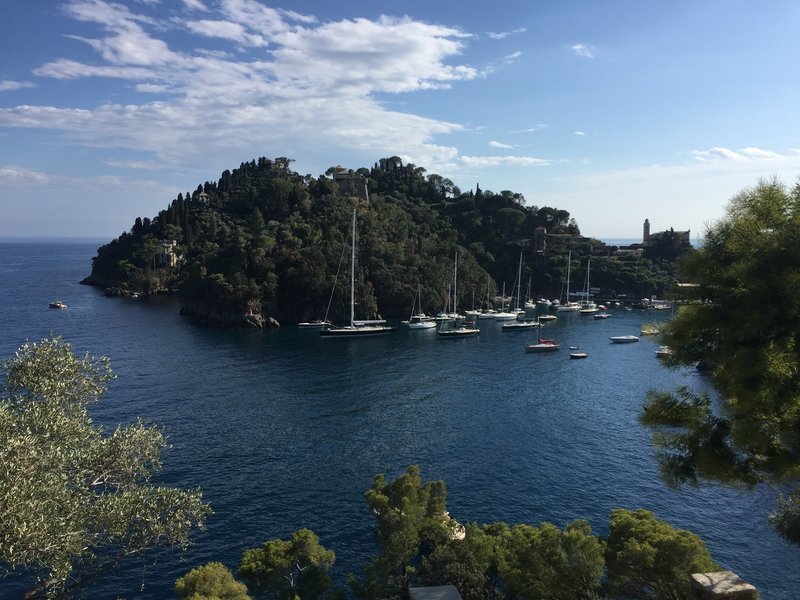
(212, 581)
(75, 501)
(265, 238)
(745, 324)
(786, 519)
(693, 443)
(649, 559)
(289, 569)
(646, 558)
(421, 545)
(545, 562)
(410, 514)
(412, 521)
(470, 564)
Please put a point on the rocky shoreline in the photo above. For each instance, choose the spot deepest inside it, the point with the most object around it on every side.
(195, 311)
(228, 318)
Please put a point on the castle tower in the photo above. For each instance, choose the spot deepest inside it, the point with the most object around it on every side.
(646, 232)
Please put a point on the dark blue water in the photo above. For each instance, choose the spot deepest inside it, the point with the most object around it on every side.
(284, 430)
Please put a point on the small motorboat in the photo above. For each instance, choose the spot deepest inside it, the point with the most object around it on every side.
(663, 351)
(57, 304)
(578, 355)
(624, 339)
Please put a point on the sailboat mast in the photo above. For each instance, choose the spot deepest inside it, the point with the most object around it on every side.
(353, 274)
(586, 293)
(569, 268)
(455, 286)
(519, 281)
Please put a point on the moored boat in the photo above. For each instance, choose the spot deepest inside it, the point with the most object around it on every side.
(355, 328)
(315, 323)
(543, 346)
(455, 327)
(57, 304)
(419, 320)
(520, 325)
(624, 339)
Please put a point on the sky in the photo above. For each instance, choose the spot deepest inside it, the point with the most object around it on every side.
(615, 111)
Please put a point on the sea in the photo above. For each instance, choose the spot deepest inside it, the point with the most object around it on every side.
(284, 430)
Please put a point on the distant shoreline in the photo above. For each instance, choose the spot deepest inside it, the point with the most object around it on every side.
(52, 239)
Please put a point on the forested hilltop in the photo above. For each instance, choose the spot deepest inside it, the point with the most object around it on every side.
(266, 242)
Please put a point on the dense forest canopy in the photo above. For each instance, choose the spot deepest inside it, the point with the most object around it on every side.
(265, 240)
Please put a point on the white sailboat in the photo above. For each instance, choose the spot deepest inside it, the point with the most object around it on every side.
(452, 328)
(519, 322)
(355, 328)
(567, 305)
(587, 306)
(504, 314)
(420, 320)
(487, 313)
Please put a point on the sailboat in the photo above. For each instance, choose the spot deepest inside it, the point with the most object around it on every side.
(355, 328)
(455, 329)
(420, 320)
(504, 314)
(567, 305)
(542, 345)
(487, 313)
(587, 306)
(519, 323)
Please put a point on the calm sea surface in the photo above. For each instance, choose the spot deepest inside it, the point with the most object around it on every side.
(283, 430)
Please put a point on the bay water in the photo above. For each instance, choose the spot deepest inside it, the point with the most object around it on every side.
(284, 430)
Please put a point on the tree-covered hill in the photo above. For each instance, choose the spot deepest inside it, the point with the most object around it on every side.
(265, 241)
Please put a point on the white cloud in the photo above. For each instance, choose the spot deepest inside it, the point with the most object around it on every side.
(505, 34)
(582, 50)
(195, 5)
(495, 144)
(718, 153)
(7, 85)
(151, 88)
(318, 82)
(534, 129)
(227, 31)
(12, 175)
(759, 153)
(579, 133)
(134, 164)
(496, 161)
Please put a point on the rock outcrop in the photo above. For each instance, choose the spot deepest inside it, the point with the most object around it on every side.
(228, 318)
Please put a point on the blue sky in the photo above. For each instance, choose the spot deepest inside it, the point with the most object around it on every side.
(614, 111)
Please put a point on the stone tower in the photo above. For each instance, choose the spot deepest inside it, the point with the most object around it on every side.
(646, 232)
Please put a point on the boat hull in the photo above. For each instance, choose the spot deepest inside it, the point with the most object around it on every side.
(520, 325)
(458, 332)
(624, 339)
(366, 331)
(535, 348)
